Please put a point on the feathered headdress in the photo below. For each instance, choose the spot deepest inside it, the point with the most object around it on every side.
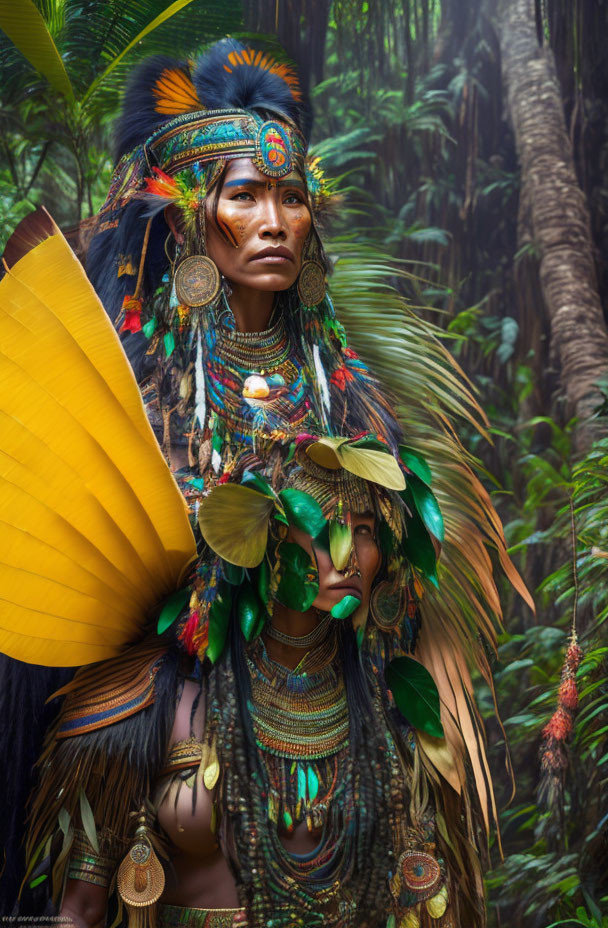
(180, 122)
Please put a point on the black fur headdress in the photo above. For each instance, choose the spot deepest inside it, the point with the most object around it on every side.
(228, 76)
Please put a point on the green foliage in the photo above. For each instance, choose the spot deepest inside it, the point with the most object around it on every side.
(415, 695)
(61, 85)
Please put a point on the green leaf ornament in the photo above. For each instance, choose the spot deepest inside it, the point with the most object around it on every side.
(386, 539)
(371, 442)
(234, 523)
(345, 607)
(234, 575)
(264, 581)
(414, 461)
(415, 695)
(427, 506)
(321, 540)
(39, 879)
(169, 342)
(171, 609)
(299, 579)
(149, 327)
(417, 546)
(302, 511)
(219, 618)
(340, 543)
(248, 610)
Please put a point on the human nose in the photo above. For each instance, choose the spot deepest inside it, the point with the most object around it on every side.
(273, 223)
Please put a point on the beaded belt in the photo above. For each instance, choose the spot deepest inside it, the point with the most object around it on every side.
(177, 916)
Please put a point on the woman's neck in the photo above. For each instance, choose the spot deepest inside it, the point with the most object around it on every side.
(296, 625)
(251, 308)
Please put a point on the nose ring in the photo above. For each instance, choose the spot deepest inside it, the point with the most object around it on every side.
(351, 571)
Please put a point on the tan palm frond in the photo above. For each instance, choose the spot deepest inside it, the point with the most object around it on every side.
(432, 394)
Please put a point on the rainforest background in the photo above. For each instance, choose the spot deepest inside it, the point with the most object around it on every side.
(469, 139)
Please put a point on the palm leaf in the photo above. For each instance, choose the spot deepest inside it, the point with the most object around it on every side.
(24, 25)
(431, 394)
(150, 27)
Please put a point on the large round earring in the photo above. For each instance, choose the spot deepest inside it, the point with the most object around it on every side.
(311, 279)
(387, 604)
(197, 281)
(311, 284)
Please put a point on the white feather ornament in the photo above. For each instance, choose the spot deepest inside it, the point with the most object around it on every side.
(199, 381)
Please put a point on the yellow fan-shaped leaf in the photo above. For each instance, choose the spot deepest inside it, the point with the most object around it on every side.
(94, 530)
(234, 523)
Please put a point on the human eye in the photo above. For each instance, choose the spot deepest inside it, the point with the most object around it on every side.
(293, 197)
(243, 195)
(364, 530)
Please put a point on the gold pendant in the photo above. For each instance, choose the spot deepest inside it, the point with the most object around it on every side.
(311, 283)
(141, 878)
(197, 281)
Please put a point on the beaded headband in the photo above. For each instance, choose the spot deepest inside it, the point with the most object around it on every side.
(196, 139)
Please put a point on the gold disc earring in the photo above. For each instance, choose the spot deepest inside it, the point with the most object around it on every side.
(311, 283)
(311, 280)
(197, 281)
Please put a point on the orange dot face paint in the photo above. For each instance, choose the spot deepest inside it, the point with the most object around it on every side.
(257, 228)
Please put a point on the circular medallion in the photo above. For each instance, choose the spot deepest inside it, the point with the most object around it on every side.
(197, 281)
(259, 390)
(140, 852)
(421, 873)
(273, 150)
(311, 283)
(387, 605)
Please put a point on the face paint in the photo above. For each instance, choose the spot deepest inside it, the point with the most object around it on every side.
(260, 228)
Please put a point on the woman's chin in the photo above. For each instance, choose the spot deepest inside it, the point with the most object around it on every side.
(276, 282)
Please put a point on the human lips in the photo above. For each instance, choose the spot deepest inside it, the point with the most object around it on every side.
(351, 586)
(277, 254)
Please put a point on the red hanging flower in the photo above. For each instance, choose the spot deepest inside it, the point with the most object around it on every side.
(349, 353)
(568, 693)
(340, 377)
(132, 307)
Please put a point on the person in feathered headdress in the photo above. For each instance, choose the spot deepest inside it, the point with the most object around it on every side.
(286, 796)
(210, 232)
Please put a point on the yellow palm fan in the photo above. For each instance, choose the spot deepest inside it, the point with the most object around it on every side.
(94, 531)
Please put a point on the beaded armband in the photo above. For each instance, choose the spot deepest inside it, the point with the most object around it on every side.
(89, 866)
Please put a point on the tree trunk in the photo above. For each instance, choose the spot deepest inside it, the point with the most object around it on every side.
(558, 211)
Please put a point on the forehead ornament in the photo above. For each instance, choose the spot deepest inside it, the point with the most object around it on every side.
(273, 150)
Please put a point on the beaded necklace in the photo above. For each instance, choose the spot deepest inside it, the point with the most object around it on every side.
(343, 883)
(256, 383)
(300, 722)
